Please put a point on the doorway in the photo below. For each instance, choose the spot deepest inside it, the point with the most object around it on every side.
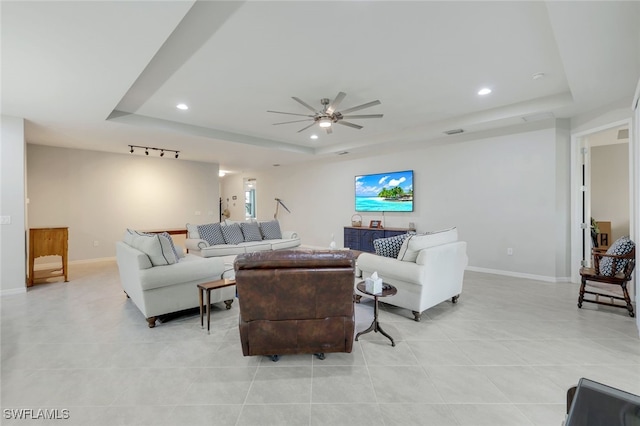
(602, 191)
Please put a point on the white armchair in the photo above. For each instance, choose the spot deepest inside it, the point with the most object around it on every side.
(429, 270)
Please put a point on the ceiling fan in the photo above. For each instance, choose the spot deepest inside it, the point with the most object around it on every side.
(328, 115)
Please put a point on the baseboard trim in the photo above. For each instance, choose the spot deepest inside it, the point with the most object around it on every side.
(520, 275)
(73, 262)
(13, 291)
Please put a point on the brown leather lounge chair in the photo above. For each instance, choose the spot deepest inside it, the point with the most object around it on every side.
(296, 302)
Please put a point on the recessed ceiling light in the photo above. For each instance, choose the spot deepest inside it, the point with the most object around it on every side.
(538, 76)
(484, 91)
(182, 106)
(314, 136)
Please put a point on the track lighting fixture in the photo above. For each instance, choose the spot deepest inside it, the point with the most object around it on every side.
(147, 148)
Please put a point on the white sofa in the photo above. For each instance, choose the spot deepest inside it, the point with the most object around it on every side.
(429, 269)
(160, 290)
(197, 245)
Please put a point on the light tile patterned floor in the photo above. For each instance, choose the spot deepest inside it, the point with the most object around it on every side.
(504, 355)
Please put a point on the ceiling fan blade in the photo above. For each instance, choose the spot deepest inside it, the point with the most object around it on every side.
(359, 107)
(363, 116)
(291, 113)
(294, 121)
(305, 128)
(328, 129)
(333, 105)
(303, 103)
(346, 123)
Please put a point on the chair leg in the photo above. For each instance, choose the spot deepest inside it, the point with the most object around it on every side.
(416, 316)
(581, 296)
(628, 300)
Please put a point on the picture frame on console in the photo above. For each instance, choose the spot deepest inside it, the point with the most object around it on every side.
(375, 224)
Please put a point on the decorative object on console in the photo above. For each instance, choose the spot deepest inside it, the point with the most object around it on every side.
(332, 244)
(377, 224)
(384, 192)
(356, 220)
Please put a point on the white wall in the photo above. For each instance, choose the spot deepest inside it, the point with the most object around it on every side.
(98, 195)
(12, 187)
(610, 187)
(501, 192)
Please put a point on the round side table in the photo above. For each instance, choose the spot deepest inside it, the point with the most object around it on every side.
(387, 290)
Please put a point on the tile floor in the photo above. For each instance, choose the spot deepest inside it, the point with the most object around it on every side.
(504, 355)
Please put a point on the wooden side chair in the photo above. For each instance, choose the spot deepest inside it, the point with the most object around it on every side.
(609, 282)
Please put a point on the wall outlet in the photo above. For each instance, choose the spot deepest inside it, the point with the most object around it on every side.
(510, 251)
(96, 243)
(5, 220)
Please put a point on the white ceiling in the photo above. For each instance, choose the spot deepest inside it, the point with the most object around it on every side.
(69, 66)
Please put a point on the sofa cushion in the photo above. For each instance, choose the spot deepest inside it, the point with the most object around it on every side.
(177, 251)
(620, 247)
(389, 247)
(270, 230)
(156, 246)
(232, 233)
(414, 243)
(251, 246)
(222, 250)
(251, 231)
(192, 231)
(191, 269)
(284, 243)
(211, 233)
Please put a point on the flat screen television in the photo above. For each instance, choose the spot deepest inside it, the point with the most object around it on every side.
(385, 192)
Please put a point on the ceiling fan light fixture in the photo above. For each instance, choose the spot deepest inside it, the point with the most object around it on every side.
(324, 122)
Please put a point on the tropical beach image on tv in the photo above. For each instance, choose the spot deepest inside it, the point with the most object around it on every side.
(385, 192)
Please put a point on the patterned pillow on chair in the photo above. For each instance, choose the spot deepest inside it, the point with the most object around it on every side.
(389, 247)
(622, 246)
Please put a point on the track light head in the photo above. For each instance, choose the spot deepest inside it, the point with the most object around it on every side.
(146, 151)
(131, 151)
(176, 155)
(162, 153)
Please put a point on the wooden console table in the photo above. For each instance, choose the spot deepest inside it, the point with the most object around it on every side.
(48, 242)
